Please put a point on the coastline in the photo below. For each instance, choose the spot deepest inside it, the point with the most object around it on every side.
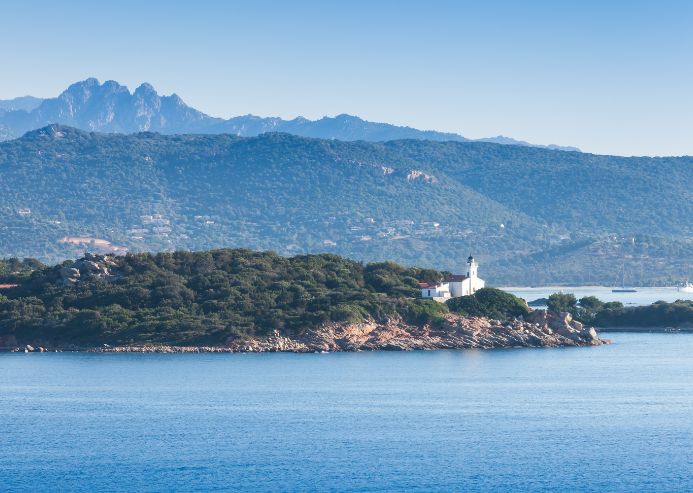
(540, 329)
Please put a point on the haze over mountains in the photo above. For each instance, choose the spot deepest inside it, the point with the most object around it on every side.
(22, 103)
(111, 107)
(530, 215)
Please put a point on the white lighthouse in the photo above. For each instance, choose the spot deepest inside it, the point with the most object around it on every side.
(472, 267)
(455, 285)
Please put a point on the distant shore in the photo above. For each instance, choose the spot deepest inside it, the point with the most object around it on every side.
(647, 329)
(644, 295)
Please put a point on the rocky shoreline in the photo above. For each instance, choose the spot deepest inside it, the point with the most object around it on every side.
(538, 329)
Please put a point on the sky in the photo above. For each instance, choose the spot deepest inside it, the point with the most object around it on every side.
(610, 77)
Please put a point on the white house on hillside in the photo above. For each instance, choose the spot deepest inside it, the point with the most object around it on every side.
(454, 285)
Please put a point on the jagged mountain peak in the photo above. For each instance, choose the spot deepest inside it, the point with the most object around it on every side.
(146, 90)
(92, 84)
(82, 84)
(88, 89)
(111, 107)
(176, 99)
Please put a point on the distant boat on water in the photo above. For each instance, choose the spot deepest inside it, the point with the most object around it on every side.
(624, 290)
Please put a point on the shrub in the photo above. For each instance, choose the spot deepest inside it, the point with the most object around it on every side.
(425, 312)
(491, 303)
(562, 302)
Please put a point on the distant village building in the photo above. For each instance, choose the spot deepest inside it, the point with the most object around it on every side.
(454, 285)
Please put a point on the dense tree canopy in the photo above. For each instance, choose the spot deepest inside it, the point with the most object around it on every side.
(659, 314)
(209, 297)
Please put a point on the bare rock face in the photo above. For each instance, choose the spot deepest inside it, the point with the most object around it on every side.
(88, 267)
(541, 329)
(564, 325)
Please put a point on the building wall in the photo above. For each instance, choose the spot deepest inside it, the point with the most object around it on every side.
(466, 287)
(476, 284)
(441, 291)
(457, 289)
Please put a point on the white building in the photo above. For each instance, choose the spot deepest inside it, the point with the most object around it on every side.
(454, 285)
(438, 292)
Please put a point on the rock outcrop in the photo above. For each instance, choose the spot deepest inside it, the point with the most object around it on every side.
(88, 267)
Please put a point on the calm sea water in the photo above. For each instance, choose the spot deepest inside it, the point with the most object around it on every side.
(612, 418)
(642, 296)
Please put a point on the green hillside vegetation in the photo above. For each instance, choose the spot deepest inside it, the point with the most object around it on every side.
(13, 270)
(209, 297)
(530, 215)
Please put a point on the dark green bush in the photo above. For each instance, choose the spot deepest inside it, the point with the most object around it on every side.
(562, 302)
(489, 302)
(425, 312)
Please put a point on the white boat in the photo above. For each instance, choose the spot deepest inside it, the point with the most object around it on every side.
(686, 288)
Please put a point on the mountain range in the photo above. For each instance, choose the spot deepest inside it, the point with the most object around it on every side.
(111, 107)
(530, 215)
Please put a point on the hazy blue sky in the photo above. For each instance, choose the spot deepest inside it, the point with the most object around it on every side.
(609, 77)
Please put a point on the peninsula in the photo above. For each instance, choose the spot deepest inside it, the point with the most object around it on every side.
(242, 300)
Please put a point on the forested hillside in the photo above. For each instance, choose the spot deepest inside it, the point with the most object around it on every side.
(530, 215)
(205, 297)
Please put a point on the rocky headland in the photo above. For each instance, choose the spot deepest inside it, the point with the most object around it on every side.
(538, 329)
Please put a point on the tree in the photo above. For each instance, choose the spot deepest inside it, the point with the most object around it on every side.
(591, 303)
(562, 302)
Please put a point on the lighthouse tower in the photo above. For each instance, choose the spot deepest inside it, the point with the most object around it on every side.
(472, 267)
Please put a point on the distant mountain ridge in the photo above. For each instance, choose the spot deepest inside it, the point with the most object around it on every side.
(25, 103)
(110, 107)
(531, 216)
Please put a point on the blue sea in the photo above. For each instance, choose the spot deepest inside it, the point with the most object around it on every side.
(611, 418)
